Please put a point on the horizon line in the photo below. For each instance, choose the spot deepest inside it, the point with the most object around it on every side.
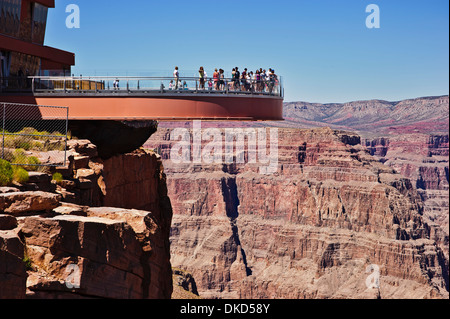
(374, 99)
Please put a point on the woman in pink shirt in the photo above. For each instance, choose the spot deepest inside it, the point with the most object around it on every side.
(216, 76)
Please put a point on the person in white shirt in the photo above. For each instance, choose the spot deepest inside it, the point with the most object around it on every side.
(268, 75)
(176, 75)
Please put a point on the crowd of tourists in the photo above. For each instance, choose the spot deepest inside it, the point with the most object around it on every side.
(259, 81)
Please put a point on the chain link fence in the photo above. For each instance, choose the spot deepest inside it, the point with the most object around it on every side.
(33, 136)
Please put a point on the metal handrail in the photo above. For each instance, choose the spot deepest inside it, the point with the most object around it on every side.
(99, 84)
(117, 77)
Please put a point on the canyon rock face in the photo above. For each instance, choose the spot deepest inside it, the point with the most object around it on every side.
(102, 233)
(343, 215)
(424, 159)
(323, 225)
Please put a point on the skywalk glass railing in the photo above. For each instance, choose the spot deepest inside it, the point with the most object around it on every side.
(270, 86)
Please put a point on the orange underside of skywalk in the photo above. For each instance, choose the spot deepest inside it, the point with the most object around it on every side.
(173, 107)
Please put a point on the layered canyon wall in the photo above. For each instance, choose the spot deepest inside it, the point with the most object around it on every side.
(310, 230)
(424, 159)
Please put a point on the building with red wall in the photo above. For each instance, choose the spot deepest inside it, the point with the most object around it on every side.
(22, 49)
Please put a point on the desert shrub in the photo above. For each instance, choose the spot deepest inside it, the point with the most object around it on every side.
(29, 163)
(14, 141)
(19, 156)
(28, 131)
(54, 145)
(48, 145)
(20, 175)
(23, 142)
(56, 133)
(31, 139)
(8, 155)
(32, 163)
(38, 146)
(37, 134)
(28, 264)
(57, 177)
(6, 173)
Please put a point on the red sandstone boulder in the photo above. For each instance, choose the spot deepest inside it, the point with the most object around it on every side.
(19, 203)
(86, 256)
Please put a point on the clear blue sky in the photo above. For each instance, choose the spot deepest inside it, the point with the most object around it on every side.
(322, 48)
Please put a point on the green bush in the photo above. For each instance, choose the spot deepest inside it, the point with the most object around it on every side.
(29, 131)
(18, 156)
(23, 142)
(29, 163)
(6, 173)
(18, 142)
(33, 160)
(58, 177)
(20, 175)
(8, 155)
(31, 139)
(27, 261)
(32, 163)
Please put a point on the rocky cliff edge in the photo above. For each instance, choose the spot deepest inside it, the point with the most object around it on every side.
(55, 244)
